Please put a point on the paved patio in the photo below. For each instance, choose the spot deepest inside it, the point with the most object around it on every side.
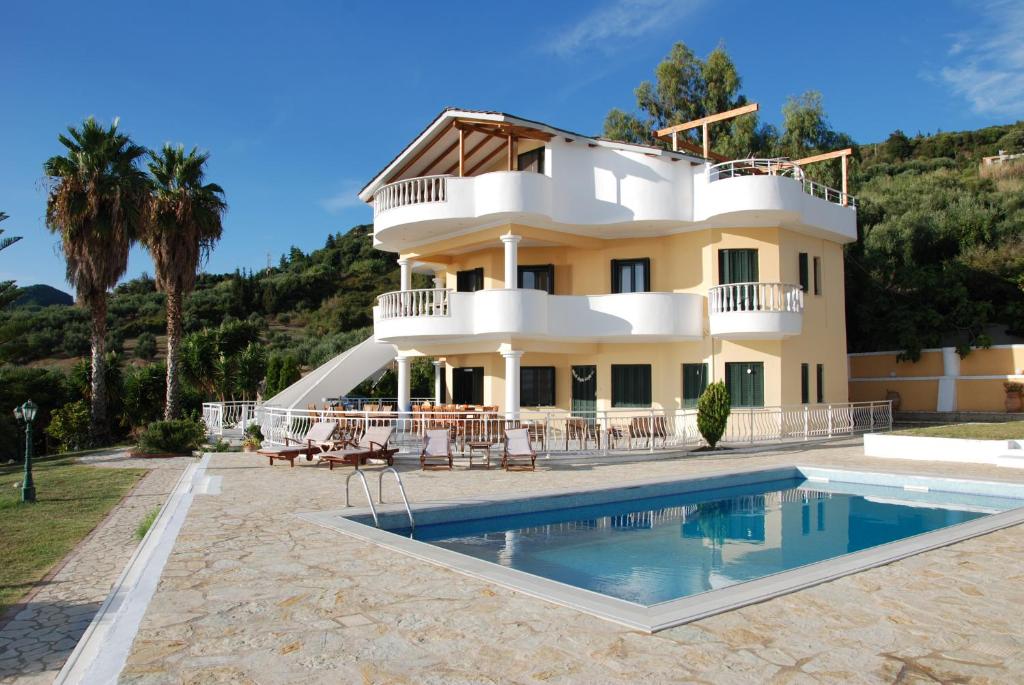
(41, 635)
(253, 594)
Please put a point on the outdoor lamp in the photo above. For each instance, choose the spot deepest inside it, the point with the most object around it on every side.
(27, 412)
(18, 415)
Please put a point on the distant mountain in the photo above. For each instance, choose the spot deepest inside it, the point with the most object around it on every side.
(40, 295)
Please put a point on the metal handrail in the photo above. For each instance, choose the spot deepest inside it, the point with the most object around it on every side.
(401, 489)
(366, 489)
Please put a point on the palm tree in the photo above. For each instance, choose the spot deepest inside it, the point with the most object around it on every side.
(8, 291)
(183, 223)
(97, 195)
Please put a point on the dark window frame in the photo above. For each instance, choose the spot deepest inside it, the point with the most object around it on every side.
(529, 157)
(820, 373)
(476, 391)
(690, 399)
(817, 275)
(805, 384)
(802, 267)
(725, 267)
(476, 274)
(618, 263)
(541, 393)
(547, 269)
(620, 394)
(756, 390)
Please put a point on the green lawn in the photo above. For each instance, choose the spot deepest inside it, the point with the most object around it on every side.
(1009, 430)
(72, 499)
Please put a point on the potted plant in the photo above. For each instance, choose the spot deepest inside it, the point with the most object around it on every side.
(1014, 402)
(253, 439)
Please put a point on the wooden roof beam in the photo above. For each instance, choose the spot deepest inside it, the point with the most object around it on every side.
(703, 121)
(416, 157)
(824, 156)
(490, 155)
(502, 129)
(470, 152)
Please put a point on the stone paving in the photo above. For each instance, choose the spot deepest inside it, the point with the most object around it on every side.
(39, 638)
(252, 594)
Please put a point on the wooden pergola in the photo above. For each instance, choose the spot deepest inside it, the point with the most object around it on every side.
(672, 132)
(468, 145)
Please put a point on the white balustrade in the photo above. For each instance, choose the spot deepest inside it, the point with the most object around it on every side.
(778, 167)
(755, 297)
(425, 302)
(411, 191)
(597, 432)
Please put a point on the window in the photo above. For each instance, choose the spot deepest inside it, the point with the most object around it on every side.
(803, 271)
(537, 386)
(817, 275)
(444, 385)
(737, 266)
(745, 383)
(631, 385)
(538, 278)
(821, 383)
(468, 382)
(470, 281)
(631, 275)
(805, 383)
(695, 380)
(532, 161)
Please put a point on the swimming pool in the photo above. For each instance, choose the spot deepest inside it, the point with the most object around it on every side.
(656, 554)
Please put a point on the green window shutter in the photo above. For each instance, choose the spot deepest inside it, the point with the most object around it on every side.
(631, 385)
(757, 383)
(804, 383)
(804, 281)
(615, 276)
(821, 383)
(737, 266)
(745, 389)
(723, 267)
(695, 380)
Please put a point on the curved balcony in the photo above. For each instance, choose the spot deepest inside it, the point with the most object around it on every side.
(755, 311)
(425, 315)
(772, 191)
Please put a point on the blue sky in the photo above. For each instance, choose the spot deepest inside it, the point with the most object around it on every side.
(300, 103)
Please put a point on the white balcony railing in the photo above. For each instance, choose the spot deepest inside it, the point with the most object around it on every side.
(411, 191)
(755, 297)
(403, 303)
(779, 167)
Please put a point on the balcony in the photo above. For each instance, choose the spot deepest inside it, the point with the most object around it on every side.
(772, 191)
(755, 311)
(440, 314)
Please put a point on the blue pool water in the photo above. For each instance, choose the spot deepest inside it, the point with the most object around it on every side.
(662, 548)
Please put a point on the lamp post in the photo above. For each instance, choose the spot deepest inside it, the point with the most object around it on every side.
(27, 413)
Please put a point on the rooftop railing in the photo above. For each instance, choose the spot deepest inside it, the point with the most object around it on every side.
(778, 167)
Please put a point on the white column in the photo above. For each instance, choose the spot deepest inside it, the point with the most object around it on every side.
(947, 384)
(439, 279)
(405, 270)
(438, 374)
(511, 260)
(512, 358)
(404, 364)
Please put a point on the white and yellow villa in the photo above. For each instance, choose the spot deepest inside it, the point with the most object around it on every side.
(585, 274)
(575, 278)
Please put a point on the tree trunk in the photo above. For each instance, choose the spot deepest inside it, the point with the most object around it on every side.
(172, 406)
(98, 406)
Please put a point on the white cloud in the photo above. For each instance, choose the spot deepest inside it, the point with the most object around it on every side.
(989, 68)
(346, 198)
(619, 20)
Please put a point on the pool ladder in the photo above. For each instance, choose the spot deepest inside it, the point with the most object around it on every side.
(380, 493)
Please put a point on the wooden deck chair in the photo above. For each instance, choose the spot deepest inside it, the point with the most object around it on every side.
(319, 438)
(373, 444)
(518, 447)
(437, 450)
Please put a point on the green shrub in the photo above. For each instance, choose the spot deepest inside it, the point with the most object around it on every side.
(69, 426)
(713, 412)
(145, 346)
(172, 437)
(146, 523)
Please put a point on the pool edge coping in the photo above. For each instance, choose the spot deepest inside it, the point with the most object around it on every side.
(672, 613)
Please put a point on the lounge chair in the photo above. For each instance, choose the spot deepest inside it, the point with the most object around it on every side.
(517, 446)
(437, 450)
(373, 444)
(319, 438)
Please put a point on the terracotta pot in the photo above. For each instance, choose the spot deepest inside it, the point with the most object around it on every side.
(895, 397)
(1014, 402)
